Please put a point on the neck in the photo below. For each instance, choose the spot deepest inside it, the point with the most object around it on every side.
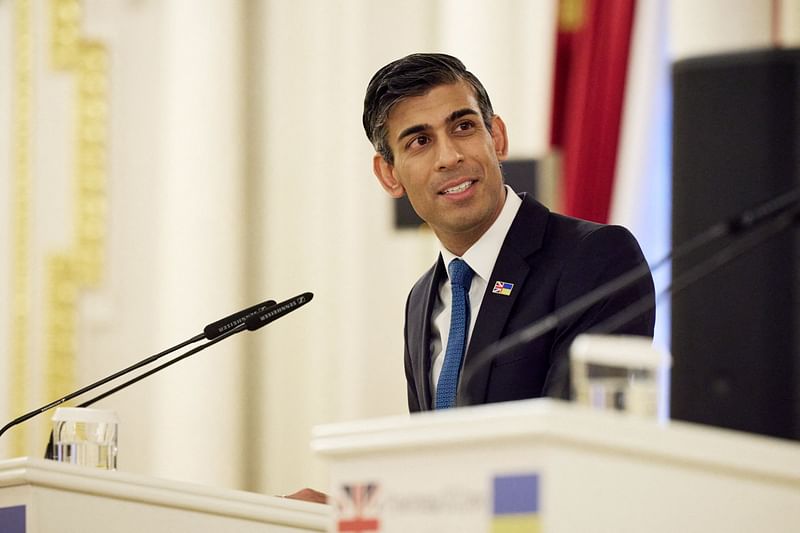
(459, 243)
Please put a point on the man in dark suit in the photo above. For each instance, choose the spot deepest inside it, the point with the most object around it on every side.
(505, 262)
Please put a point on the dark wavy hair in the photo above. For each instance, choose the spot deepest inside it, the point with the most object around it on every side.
(413, 75)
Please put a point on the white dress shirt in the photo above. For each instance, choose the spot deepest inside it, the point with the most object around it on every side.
(481, 258)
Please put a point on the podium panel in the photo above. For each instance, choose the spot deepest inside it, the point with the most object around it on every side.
(548, 466)
(38, 496)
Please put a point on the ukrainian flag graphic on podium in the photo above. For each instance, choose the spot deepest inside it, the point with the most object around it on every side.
(516, 504)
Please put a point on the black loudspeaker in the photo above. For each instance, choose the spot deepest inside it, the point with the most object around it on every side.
(736, 332)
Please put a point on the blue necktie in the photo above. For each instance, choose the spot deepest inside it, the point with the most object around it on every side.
(460, 279)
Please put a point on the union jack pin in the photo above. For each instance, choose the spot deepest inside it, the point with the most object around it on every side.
(502, 287)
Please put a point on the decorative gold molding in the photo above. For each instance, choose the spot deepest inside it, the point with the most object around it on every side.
(21, 133)
(92, 151)
(62, 294)
(82, 265)
(65, 17)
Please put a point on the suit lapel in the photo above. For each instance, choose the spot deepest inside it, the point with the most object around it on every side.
(422, 350)
(523, 239)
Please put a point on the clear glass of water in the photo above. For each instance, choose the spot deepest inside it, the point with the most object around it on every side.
(86, 437)
(619, 373)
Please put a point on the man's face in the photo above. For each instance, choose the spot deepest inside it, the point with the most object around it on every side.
(447, 162)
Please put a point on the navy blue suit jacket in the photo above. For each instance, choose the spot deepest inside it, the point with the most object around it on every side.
(551, 259)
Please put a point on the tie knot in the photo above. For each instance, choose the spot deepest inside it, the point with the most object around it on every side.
(460, 273)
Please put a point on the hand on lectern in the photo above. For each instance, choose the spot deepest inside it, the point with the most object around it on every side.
(309, 495)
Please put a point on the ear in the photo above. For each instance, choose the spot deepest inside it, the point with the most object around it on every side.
(499, 138)
(386, 176)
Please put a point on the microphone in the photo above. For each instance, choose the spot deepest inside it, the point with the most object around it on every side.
(284, 308)
(215, 329)
(782, 209)
(274, 312)
(126, 384)
(211, 332)
(251, 319)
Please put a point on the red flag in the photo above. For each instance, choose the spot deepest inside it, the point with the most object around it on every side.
(571, 16)
(591, 65)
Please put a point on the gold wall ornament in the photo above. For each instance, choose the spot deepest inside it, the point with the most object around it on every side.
(65, 17)
(21, 135)
(81, 266)
(62, 293)
(92, 152)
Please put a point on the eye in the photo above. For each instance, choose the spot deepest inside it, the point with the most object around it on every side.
(418, 141)
(465, 125)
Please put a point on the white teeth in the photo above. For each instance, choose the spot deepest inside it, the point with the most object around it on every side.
(461, 188)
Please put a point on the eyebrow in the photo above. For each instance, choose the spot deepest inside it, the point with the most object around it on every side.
(455, 115)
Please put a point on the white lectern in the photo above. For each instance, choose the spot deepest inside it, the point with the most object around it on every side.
(39, 496)
(549, 466)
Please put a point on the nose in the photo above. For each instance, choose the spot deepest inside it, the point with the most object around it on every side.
(448, 155)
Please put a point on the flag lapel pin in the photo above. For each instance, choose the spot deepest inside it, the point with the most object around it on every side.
(502, 287)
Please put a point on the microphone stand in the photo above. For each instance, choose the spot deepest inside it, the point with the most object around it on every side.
(98, 383)
(237, 329)
(252, 319)
(210, 332)
(253, 322)
(50, 451)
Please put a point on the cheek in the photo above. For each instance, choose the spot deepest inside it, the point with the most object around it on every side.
(412, 174)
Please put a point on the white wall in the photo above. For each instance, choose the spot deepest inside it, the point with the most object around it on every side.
(714, 26)
(790, 23)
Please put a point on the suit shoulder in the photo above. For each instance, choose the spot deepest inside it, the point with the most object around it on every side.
(583, 234)
(550, 239)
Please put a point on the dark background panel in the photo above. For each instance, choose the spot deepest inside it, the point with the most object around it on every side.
(735, 333)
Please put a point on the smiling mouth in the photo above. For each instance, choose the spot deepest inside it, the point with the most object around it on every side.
(458, 188)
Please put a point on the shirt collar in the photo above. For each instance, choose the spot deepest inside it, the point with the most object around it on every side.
(482, 255)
